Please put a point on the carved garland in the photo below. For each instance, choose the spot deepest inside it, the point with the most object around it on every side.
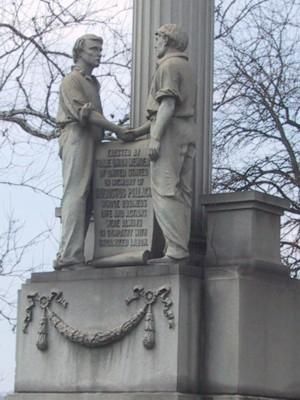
(100, 338)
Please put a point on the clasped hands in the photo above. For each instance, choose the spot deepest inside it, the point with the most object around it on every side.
(129, 135)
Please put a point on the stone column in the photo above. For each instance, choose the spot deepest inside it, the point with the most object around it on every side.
(196, 18)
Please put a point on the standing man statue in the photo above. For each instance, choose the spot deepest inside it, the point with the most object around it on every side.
(81, 122)
(170, 114)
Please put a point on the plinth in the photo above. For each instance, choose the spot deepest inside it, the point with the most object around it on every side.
(251, 304)
(148, 319)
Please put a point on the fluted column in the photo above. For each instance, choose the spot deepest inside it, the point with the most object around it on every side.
(196, 18)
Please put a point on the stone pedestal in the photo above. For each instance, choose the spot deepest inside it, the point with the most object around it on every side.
(236, 328)
(243, 228)
(96, 302)
(252, 325)
(251, 305)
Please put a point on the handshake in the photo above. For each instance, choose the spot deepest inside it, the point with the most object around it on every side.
(128, 134)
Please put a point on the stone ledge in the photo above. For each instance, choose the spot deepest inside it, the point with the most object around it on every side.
(249, 268)
(242, 200)
(117, 272)
(105, 396)
(132, 396)
(237, 397)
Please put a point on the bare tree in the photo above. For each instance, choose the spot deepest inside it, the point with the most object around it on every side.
(256, 120)
(230, 14)
(36, 52)
(13, 249)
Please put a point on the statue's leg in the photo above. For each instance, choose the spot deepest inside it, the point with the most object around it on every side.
(171, 177)
(77, 163)
(173, 217)
(89, 206)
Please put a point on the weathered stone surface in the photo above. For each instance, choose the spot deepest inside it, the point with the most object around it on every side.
(132, 396)
(122, 203)
(97, 302)
(242, 227)
(237, 397)
(252, 326)
(109, 396)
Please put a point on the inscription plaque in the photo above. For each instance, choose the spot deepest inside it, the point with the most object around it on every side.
(122, 204)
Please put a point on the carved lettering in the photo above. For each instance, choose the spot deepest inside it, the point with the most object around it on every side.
(123, 208)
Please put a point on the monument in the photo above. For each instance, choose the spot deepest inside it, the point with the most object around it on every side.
(223, 327)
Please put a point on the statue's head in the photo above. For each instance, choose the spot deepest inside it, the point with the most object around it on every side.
(170, 36)
(88, 48)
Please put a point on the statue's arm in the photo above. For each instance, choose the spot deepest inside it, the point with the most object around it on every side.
(164, 114)
(140, 131)
(98, 119)
(79, 106)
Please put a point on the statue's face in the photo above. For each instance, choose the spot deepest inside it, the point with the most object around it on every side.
(160, 45)
(91, 52)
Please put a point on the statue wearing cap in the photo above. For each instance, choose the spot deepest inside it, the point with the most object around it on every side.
(171, 114)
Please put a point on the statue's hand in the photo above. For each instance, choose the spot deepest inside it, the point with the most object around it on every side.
(154, 148)
(85, 113)
(86, 109)
(128, 135)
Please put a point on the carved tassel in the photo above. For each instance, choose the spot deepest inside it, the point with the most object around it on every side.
(149, 336)
(42, 342)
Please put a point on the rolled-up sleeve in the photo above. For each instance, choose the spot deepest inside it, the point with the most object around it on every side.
(73, 98)
(168, 83)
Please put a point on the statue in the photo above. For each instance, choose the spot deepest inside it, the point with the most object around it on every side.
(81, 122)
(170, 114)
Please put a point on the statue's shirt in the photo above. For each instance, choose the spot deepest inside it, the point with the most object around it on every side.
(173, 78)
(77, 90)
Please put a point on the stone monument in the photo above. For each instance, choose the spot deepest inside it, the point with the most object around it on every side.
(224, 328)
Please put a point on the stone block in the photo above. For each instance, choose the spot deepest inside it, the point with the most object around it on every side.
(96, 301)
(243, 227)
(131, 396)
(237, 397)
(105, 396)
(252, 327)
